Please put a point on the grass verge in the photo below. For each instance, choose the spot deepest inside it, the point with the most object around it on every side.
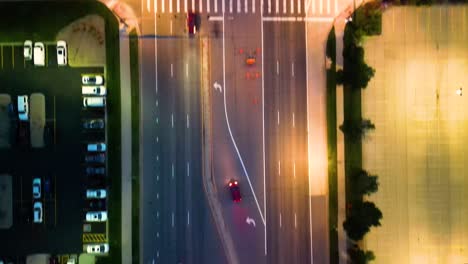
(331, 148)
(135, 93)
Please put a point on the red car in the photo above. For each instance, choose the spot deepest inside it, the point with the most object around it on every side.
(191, 23)
(235, 190)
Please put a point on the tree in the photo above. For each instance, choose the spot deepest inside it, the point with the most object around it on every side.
(359, 256)
(363, 215)
(364, 183)
(356, 130)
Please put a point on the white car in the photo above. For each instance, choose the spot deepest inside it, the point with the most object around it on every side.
(93, 90)
(36, 188)
(23, 107)
(39, 54)
(94, 101)
(96, 216)
(37, 212)
(62, 53)
(96, 147)
(92, 79)
(97, 248)
(96, 194)
(27, 50)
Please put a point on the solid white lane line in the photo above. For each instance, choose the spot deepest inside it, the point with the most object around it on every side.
(188, 169)
(277, 67)
(188, 120)
(148, 5)
(278, 117)
(295, 220)
(172, 68)
(294, 170)
(186, 69)
(263, 136)
(173, 170)
(294, 123)
(185, 6)
(313, 6)
(279, 167)
(155, 55)
(172, 219)
(281, 222)
(188, 217)
(172, 119)
(318, 19)
(299, 7)
(292, 68)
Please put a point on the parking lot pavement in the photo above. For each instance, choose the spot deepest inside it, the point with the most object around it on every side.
(61, 160)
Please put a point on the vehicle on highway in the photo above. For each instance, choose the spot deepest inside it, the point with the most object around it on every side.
(96, 193)
(47, 186)
(97, 158)
(96, 147)
(97, 248)
(28, 50)
(38, 119)
(94, 101)
(39, 54)
(191, 23)
(235, 190)
(61, 53)
(92, 79)
(93, 123)
(97, 204)
(100, 216)
(37, 212)
(93, 90)
(36, 188)
(23, 107)
(95, 171)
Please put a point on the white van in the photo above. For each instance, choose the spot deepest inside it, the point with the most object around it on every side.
(93, 90)
(39, 54)
(23, 108)
(94, 101)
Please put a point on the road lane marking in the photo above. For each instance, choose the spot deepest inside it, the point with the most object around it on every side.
(279, 167)
(263, 135)
(157, 196)
(155, 56)
(216, 6)
(292, 6)
(269, 7)
(208, 6)
(157, 157)
(172, 68)
(157, 103)
(277, 67)
(277, 7)
(157, 139)
(295, 220)
(320, 6)
(278, 117)
(172, 219)
(188, 120)
(157, 177)
(193, 6)
(238, 6)
(172, 119)
(281, 222)
(170, 6)
(173, 170)
(223, 5)
(328, 6)
(186, 69)
(157, 120)
(178, 6)
(157, 254)
(157, 214)
(294, 170)
(201, 6)
(253, 6)
(284, 7)
(299, 7)
(163, 6)
(148, 5)
(188, 217)
(188, 169)
(292, 69)
(318, 19)
(171, 25)
(245, 6)
(185, 6)
(294, 123)
(157, 234)
(230, 6)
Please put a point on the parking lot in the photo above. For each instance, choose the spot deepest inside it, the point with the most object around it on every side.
(61, 160)
(418, 101)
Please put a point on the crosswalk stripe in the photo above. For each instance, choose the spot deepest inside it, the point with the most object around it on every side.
(245, 6)
(269, 6)
(178, 6)
(148, 5)
(292, 6)
(170, 6)
(163, 6)
(208, 6)
(277, 6)
(185, 6)
(216, 6)
(238, 6)
(230, 6)
(253, 6)
(299, 6)
(284, 6)
(201, 6)
(193, 6)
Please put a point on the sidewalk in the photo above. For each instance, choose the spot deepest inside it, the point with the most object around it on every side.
(125, 95)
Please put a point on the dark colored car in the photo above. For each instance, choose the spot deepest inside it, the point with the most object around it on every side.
(191, 23)
(95, 170)
(235, 190)
(48, 186)
(96, 204)
(97, 158)
(93, 124)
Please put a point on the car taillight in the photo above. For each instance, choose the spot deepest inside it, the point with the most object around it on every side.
(235, 182)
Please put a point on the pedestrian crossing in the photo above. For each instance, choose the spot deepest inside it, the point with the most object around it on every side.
(270, 7)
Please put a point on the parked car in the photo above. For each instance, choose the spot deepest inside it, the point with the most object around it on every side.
(62, 53)
(97, 248)
(95, 171)
(28, 50)
(94, 101)
(37, 212)
(98, 216)
(23, 107)
(96, 147)
(39, 54)
(96, 193)
(36, 188)
(91, 79)
(93, 90)
(97, 158)
(96, 204)
(93, 123)
(235, 190)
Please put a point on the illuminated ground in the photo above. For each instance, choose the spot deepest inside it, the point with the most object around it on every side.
(421, 139)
